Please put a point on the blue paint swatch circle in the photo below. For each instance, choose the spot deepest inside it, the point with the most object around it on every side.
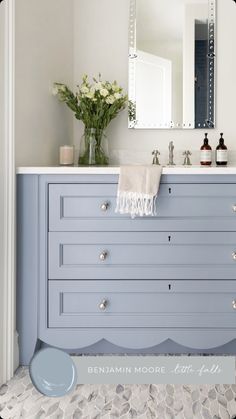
(53, 372)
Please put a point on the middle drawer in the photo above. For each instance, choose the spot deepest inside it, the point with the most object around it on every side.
(140, 255)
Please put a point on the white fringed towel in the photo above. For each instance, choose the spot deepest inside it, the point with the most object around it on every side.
(137, 190)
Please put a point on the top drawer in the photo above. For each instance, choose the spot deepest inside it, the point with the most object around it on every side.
(91, 207)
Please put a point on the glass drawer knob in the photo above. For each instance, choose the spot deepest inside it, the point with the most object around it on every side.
(103, 305)
(234, 304)
(234, 256)
(104, 207)
(103, 255)
(234, 208)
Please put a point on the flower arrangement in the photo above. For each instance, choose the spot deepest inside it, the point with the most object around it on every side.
(95, 104)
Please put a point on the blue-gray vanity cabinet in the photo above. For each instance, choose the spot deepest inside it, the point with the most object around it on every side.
(88, 276)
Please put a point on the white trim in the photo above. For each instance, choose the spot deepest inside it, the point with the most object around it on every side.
(8, 362)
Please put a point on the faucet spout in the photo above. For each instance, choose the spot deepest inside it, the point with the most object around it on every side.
(171, 154)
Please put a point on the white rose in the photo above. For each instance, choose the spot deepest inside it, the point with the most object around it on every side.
(62, 88)
(55, 90)
(93, 90)
(104, 92)
(85, 78)
(84, 89)
(115, 87)
(58, 88)
(117, 95)
(98, 86)
(110, 100)
(90, 95)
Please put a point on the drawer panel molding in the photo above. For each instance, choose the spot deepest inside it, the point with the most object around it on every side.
(81, 304)
(72, 205)
(142, 255)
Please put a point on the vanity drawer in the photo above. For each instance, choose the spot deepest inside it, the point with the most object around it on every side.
(140, 255)
(94, 304)
(91, 207)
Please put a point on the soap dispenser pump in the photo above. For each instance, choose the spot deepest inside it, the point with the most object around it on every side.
(221, 152)
(206, 153)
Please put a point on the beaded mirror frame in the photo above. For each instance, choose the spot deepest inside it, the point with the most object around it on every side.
(209, 118)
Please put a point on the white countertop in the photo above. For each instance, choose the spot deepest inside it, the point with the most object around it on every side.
(115, 170)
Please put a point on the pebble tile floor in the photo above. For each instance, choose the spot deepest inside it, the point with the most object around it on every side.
(20, 399)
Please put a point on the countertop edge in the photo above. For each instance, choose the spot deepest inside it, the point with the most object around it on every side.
(115, 170)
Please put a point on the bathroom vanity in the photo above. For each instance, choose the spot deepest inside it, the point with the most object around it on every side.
(86, 274)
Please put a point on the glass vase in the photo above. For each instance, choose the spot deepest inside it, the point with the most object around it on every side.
(93, 148)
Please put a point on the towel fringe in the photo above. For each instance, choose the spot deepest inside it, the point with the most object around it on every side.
(135, 204)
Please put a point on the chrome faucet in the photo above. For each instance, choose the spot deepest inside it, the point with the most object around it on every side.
(171, 154)
(155, 159)
(187, 161)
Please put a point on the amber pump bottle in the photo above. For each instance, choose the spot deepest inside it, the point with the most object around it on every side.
(221, 152)
(206, 153)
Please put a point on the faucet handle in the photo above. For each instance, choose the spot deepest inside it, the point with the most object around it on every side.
(187, 161)
(155, 160)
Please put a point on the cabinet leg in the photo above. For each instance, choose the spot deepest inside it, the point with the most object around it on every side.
(27, 350)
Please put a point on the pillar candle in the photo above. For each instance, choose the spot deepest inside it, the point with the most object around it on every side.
(66, 155)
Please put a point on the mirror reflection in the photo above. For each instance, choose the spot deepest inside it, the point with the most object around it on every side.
(172, 64)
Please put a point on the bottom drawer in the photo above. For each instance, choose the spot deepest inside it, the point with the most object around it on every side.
(137, 304)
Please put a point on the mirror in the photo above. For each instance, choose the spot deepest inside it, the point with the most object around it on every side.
(172, 64)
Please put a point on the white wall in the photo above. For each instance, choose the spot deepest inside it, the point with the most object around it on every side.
(44, 54)
(44, 42)
(101, 44)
